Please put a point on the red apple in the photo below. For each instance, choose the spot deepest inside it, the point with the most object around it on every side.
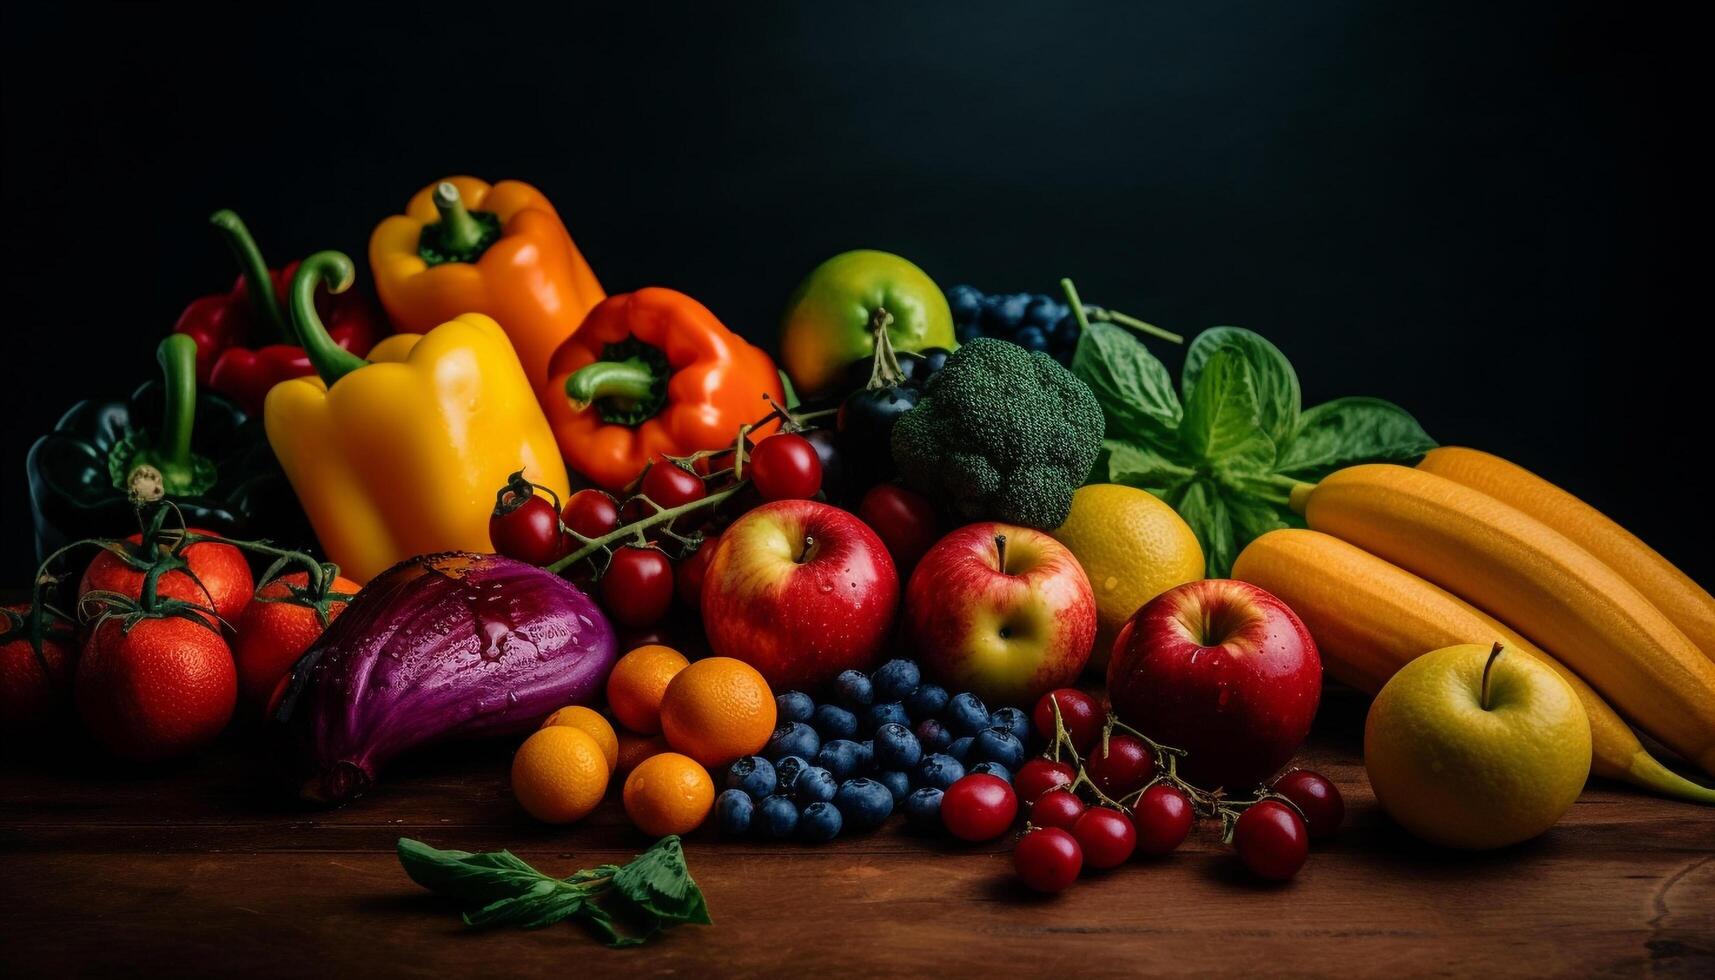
(800, 590)
(1003, 611)
(1222, 670)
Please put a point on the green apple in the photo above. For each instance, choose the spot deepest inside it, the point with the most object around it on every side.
(836, 312)
(1476, 747)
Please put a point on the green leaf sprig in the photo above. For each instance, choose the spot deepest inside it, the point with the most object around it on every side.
(1226, 448)
(624, 904)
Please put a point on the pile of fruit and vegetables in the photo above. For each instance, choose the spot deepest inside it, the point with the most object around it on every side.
(975, 562)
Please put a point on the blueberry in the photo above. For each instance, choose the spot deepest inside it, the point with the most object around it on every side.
(1042, 311)
(896, 747)
(966, 302)
(840, 757)
(1066, 333)
(923, 808)
(1013, 720)
(754, 775)
(865, 803)
(890, 713)
(1007, 310)
(733, 812)
(786, 770)
(895, 679)
(1031, 338)
(934, 359)
(964, 333)
(966, 714)
(853, 689)
(820, 822)
(866, 755)
(939, 771)
(927, 701)
(933, 735)
(814, 785)
(897, 783)
(793, 738)
(960, 749)
(832, 721)
(993, 769)
(776, 817)
(793, 706)
(997, 745)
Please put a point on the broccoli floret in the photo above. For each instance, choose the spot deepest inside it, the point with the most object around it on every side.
(1001, 433)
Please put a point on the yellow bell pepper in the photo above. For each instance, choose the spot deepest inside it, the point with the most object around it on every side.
(402, 454)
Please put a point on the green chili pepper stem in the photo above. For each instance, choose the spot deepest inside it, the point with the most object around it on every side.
(330, 360)
(177, 355)
(460, 232)
(258, 282)
(630, 379)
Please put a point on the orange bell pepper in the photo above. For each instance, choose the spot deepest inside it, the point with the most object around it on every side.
(463, 246)
(652, 372)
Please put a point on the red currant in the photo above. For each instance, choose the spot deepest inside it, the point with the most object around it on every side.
(1106, 837)
(785, 466)
(637, 587)
(1057, 808)
(591, 513)
(1317, 798)
(527, 530)
(1048, 860)
(1080, 713)
(1123, 768)
(1162, 818)
(1271, 840)
(670, 485)
(979, 807)
(1038, 776)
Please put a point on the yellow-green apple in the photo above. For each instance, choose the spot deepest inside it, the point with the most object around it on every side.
(1002, 611)
(1472, 746)
(800, 590)
(1222, 670)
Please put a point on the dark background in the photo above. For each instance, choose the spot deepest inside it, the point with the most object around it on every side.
(1490, 215)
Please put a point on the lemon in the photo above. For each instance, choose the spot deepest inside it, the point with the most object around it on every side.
(1463, 767)
(1133, 547)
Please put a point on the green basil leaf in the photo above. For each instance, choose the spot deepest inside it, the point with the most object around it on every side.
(470, 877)
(1132, 386)
(1221, 426)
(1279, 399)
(1347, 431)
(1144, 467)
(1203, 508)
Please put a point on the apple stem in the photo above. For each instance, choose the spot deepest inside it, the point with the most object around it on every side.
(1493, 654)
(809, 543)
(1000, 552)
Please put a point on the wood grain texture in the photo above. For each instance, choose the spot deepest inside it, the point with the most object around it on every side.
(201, 870)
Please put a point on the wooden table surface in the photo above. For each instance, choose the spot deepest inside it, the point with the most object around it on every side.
(203, 870)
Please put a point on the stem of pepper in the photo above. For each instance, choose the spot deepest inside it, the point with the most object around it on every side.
(258, 282)
(330, 360)
(177, 355)
(630, 379)
(593, 545)
(459, 231)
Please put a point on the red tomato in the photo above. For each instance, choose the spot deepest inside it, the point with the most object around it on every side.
(1123, 768)
(275, 631)
(1048, 860)
(1162, 818)
(220, 568)
(1317, 798)
(1271, 840)
(688, 575)
(785, 466)
(1039, 776)
(669, 485)
(904, 520)
(1106, 837)
(591, 513)
(1057, 808)
(1079, 712)
(34, 690)
(637, 587)
(159, 690)
(979, 807)
(527, 530)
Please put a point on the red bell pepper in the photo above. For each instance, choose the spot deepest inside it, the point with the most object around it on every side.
(226, 325)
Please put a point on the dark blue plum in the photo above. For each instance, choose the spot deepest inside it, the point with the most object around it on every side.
(820, 822)
(889, 713)
(786, 770)
(933, 735)
(865, 803)
(897, 783)
(854, 690)
(896, 679)
(733, 812)
(923, 808)
(754, 775)
(1013, 720)
(841, 757)
(793, 706)
(793, 738)
(832, 721)
(939, 771)
(997, 745)
(993, 769)
(776, 817)
(927, 701)
(960, 749)
(814, 785)
(966, 714)
(896, 748)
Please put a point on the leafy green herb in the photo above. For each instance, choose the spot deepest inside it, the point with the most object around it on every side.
(624, 904)
(1226, 450)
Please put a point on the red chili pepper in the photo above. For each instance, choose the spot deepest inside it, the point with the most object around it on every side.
(225, 326)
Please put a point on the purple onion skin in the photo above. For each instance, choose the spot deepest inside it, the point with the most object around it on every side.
(440, 647)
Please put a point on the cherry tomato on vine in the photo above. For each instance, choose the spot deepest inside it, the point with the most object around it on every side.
(1080, 713)
(979, 807)
(1106, 837)
(1039, 776)
(785, 466)
(591, 513)
(1048, 859)
(1123, 768)
(637, 587)
(1319, 800)
(1162, 819)
(903, 519)
(526, 529)
(688, 574)
(1057, 808)
(671, 485)
(216, 575)
(1271, 840)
